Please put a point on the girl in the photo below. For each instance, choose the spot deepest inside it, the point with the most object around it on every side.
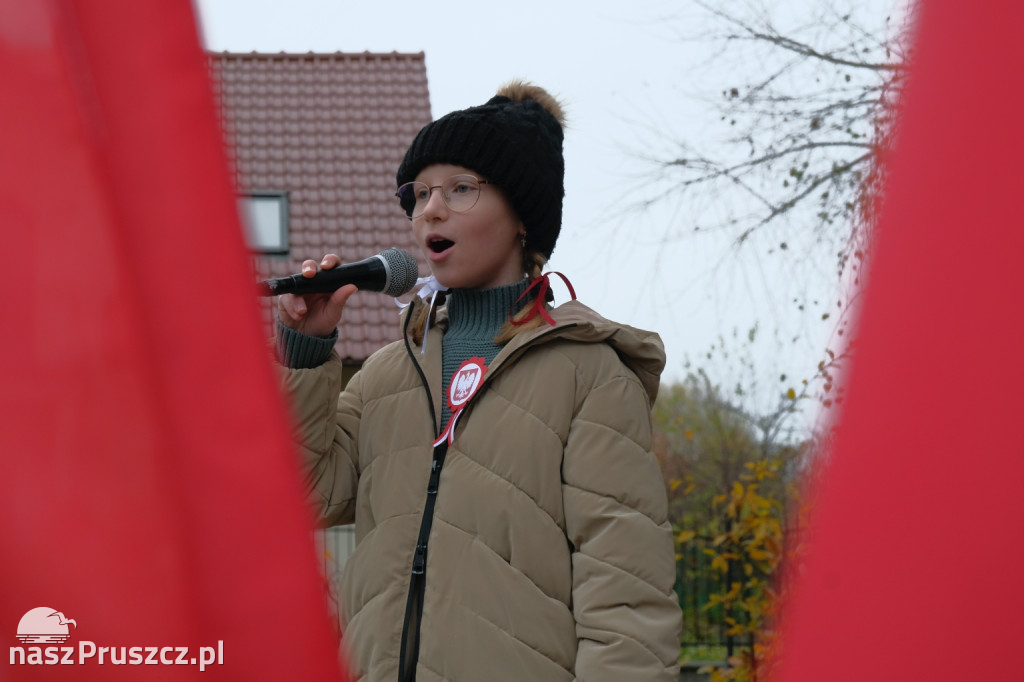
(511, 520)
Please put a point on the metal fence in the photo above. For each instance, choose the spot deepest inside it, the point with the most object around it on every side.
(705, 627)
(334, 546)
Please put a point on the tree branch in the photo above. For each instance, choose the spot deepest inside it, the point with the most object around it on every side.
(807, 51)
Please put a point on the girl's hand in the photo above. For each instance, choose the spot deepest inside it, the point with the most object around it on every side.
(314, 314)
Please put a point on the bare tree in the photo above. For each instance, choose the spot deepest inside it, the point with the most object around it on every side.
(793, 166)
(788, 172)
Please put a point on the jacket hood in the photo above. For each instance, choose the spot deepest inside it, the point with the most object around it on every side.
(641, 350)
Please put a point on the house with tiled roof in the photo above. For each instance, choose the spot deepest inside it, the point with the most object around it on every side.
(314, 141)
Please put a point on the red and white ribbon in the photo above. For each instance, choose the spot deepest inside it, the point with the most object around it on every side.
(465, 383)
(431, 288)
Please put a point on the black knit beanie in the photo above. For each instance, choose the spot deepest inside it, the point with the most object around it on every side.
(516, 144)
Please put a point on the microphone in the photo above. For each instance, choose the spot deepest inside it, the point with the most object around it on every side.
(392, 272)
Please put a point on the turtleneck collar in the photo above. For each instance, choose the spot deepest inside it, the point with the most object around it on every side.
(482, 312)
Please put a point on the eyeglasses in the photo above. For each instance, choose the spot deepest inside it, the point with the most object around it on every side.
(459, 192)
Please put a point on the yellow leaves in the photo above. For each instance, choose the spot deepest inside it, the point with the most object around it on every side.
(718, 676)
(675, 483)
(686, 536)
(726, 598)
(761, 469)
(737, 491)
(688, 433)
(791, 394)
(742, 545)
(759, 554)
(735, 630)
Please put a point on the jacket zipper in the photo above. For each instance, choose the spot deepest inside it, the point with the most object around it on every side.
(417, 584)
(410, 648)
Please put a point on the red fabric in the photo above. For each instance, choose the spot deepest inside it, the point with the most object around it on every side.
(149, 489)
(916, 530)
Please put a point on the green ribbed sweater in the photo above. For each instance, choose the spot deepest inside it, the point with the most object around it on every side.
(475, 316)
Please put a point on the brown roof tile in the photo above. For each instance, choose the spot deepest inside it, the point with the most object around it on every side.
(330, 129)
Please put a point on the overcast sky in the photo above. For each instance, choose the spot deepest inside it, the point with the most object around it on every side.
(621, 69)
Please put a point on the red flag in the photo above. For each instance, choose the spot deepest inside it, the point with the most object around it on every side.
(916, 531)
(149, 496)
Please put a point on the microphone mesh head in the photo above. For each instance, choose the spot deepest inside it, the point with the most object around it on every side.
(402, 271)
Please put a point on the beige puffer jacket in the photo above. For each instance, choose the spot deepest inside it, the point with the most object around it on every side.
(548, 553)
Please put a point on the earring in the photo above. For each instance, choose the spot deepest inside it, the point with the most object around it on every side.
(522, 240)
